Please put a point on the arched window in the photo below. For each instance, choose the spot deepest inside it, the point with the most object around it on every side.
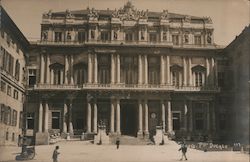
(176, 75)
(199, 75)
(154, 70)
(57, 70)
(17, 70)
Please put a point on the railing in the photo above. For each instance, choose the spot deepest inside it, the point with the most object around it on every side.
(124, 42)
(122, 86)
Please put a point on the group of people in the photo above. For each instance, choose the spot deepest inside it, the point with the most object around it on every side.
(183, 149)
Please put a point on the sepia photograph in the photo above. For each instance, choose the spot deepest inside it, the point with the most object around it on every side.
(124, 80)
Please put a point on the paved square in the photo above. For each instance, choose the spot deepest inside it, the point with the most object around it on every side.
(78, 151)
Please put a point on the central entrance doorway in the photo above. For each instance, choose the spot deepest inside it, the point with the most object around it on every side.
(129, 117)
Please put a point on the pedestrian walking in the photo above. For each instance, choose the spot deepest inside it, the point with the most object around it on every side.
(55, 154)
(117, 143)
(183, 149)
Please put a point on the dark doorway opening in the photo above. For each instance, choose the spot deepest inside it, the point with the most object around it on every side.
(129, 118)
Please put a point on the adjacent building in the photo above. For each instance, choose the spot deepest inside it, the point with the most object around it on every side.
(235, 83)
(130, 70)
(13, 48)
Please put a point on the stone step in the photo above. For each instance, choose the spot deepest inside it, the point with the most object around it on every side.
(129, 140)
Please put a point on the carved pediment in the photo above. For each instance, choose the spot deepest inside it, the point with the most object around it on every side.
(128, 12)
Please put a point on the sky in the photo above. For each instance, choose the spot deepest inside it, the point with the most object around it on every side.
(229, 16)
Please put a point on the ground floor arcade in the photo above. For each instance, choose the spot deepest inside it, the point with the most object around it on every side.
(133, 114)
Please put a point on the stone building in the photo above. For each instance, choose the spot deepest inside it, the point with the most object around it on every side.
(128, 69)
(13, 48)
(233, 77)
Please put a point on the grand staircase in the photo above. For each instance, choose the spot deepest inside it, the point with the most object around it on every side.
(130, 140)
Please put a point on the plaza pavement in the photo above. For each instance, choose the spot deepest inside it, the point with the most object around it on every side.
(79, 151)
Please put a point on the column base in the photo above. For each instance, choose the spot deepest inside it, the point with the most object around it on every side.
(139, 134)
(146, 135)
(42, 138)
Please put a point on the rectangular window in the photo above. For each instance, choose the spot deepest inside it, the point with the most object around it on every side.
(198, 79)
(3, 86)
(21, 120)
(55, 120)
(164, 36)
(129, 37)
(7, 115)
(104, 36)
(14, 118)
(13, 137)
(9, 90)
(175, 39)
(152, 37)
(58, 36)
(15, 94)
(30, 120)
(197, 40)
(176, 120)
(32, 77)
(81, 36)
(2, 113)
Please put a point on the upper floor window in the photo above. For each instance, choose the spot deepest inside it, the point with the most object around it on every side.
(58, 36)
(186, 39)
(199, 75)
(45, 35)
(92, 34)
(32, 77)
(57, 70)
(104, 36)
(15, 94)
(209, 38)
(152, 37)
(129, 37)
(17, 70)
(68, 36)
(153, 70)
(197, 40)
(165, 36)
(9, 90)
(142, 35)
(3, 86)
(176, 75)
(104, 69)
(175, 39)
(81, 36)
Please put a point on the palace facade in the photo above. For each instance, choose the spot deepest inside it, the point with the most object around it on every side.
(130, 70)
(13, 48)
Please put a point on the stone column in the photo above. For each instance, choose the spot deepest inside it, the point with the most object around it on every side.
(66, 70)
(42, 69)
(47, 69)
(170, 120)
(112, 117)
(213, 71)
(139, 133)
(184, 72)
(46, 117)
(146, 69)
(89, 118)
(146, 117)
(208, 117)
(140, 69)
(71, 69)
(207, 72)
(64, 117)
(118, 122)
(52, 76)
(118, 69)
(162, 70)
(190, 117)
(163, 117)
(95, 118)
(190, 72)
(95, 68)
(168, 70)
(112, 69)
(90, 68)
(70, 129)
(40, 124)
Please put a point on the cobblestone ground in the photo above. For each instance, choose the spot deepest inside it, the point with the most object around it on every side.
(78, 151)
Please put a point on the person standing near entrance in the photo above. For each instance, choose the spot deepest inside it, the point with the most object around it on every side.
(55, 154)
(183, 149)
(117, 143)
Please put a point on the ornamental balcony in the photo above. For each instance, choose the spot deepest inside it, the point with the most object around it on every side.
(129, 87)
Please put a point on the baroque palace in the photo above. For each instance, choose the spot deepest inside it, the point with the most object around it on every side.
(128, 70)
